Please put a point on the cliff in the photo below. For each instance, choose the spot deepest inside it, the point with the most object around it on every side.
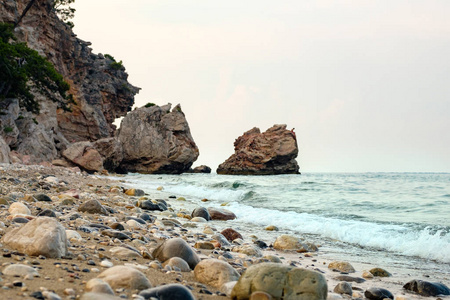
(101, 92)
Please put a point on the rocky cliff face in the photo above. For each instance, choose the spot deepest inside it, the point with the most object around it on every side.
(101, 92)
(156, 140)
(256, 153)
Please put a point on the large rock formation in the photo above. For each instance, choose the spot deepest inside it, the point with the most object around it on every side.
(156, 140)
(256, 153)
(101, 92)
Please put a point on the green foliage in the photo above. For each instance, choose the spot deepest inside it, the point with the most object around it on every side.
(64, 11)
(20, 117)
(24, 69)
(150, 104)
(35, 122)
(110, 57)
(7, 129)
(117, 65)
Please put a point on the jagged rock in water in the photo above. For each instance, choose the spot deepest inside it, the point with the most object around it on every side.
(101, 92)
(256, 153)
(200, 169)
(157, 140)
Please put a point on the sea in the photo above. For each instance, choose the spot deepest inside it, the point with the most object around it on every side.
(399, 221)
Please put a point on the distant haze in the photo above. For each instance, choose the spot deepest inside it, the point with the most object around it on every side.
(365, 84)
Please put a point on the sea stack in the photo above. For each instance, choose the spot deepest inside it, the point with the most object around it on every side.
(268, 153)
(156, 140)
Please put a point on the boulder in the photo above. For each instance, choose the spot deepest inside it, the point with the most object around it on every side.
(281, 282)
(221, 214)
(4, 152)
(19, 270)
(200, 169)
(93, 207)
(111, 152)
(176, 247)
(268, 153)
(41, 236)
(84, 155)
(156, 140)
(215, 272)
(18, 208)
(177, 263)
(125, 277)
(427, 289)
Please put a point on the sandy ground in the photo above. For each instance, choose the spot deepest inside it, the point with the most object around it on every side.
(67, 276)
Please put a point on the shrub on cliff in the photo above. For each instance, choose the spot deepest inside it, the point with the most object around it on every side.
(24, 70)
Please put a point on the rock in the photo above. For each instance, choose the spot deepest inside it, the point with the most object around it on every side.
(342, 266)
(343, 288)
(19, 270)
(271, 228)
(93, 207)
(99, 296)
(18, 208)
(350, 279)
(367, 275)
(333, 296)
(198, 220)
(281, 282)
(378, 294)
(135, 192)
(41, 236)
(72, 234)
(204, 245)
(47, 213)
(176, 247)
(178, 263)
(288, 242)
(221, 214)
(157, 140)
(84, 155)
(215, 272)
(96, 285)
(169, 291)
(379, 272)
(110, 149)
(124, 253)
(201, 212)
(260, 296)
(125, 277)
(149, 205)
(4, 152)
(427, 289)
(42, 197)
(115, 234)
(221, 239)
(200, 169)
(268, 153)
(230, 234)
(249, 250)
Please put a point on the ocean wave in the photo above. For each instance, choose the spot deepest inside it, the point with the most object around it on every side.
(425, 242)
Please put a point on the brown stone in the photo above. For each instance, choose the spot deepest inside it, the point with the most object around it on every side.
(230, 234)
(221, 214)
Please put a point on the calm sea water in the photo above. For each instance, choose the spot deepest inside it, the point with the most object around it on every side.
(392, 219)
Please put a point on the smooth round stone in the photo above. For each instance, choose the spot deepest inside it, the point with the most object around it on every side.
(201, 212)
(18, 208)
(20, 270)
(72, 234)
(20, 220)
(215, 272)
(379, 272)
(272, 228)
(134, 224)
(125, 277)
(260, 296)
(169, 291)
(350, 279)
(93, 207)
(42, 197)
(378, 294)
(342, 266)
(221, 214)
(343, 288)
(106, 263)
(176, 262)
(115, 234)
(96, 285)
(426, 288)
(273, 258)
(117, 226)
(230, 234)
(289, 242)
(99, 296)
(176, 247)
(249, 250)
(124, 253)
(199, 220)
(47, 213)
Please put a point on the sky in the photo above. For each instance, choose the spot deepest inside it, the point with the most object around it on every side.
(365, 84)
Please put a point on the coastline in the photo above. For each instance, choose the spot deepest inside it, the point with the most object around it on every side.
(20, 181)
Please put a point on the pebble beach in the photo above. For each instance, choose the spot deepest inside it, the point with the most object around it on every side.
(71, 235)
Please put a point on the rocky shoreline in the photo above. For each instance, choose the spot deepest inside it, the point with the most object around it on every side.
(110, 241)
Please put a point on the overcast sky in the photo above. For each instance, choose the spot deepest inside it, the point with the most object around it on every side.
(366, 84)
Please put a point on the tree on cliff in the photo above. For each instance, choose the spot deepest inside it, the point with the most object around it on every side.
(24, 71)
(60, 7)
